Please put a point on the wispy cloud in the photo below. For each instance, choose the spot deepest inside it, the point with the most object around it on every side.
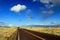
(10, 25)
(49, 5)
(45, 1)
(56, 1)
(53, 1)
(50, 12)
(34, 0)
(54, 22)
(18, 8)
(29, 17)
(2, 23)
(29, 11)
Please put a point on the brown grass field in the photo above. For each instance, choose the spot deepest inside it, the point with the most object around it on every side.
(49, 30)
(6, 32)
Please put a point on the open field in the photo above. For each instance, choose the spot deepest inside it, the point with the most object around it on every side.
(6, 32)
(49, 30)
(11, 32)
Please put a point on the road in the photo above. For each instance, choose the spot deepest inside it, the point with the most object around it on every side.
(24, 34)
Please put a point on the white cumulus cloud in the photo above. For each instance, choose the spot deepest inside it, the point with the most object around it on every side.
(18, 8)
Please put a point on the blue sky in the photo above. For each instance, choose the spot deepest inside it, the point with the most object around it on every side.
(29, 12)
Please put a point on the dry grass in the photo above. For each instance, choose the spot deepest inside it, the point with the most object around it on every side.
(55, 31)
(6, 32)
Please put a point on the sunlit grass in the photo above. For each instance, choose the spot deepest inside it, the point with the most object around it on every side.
(49, 30)
(6, 32)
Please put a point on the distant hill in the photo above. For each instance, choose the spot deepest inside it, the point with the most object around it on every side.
(5, 26)
(42, 26)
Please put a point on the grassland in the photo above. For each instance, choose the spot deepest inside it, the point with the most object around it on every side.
(49, 30)
(6, 32)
